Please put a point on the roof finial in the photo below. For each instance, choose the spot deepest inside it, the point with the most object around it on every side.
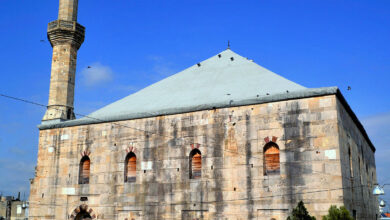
(228, 44)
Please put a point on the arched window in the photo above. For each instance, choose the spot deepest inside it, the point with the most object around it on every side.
(84, 171)
(271, 159)
(130, 167)
(83, 215)
(195, 164)
(350, 162)
(360, 172)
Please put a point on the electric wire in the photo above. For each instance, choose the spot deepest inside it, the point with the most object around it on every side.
(103, 121)
(261, 197)
(82, 115)
(239, 199)
(110, 122)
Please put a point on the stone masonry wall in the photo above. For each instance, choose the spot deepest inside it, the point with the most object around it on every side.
(358, 167)
(233, 184)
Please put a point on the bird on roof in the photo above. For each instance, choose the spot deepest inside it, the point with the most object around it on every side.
(217, 74)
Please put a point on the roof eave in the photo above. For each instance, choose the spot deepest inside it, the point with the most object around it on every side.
(354, 118)
(305, 93)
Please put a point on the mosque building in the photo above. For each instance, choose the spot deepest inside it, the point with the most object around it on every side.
(223, 139)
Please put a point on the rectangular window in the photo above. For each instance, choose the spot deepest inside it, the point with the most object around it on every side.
(19, 209)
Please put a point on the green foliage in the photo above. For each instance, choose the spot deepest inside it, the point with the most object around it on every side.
(300, 213)
(335, 213)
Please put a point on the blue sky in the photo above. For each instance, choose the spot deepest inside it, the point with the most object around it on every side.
(132, 44)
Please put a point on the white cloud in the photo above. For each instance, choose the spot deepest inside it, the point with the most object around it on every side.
(128, 88)
(378, 129)
(87, 107)
(17, 151)
(96, 74)
(161, 68)
(17, 175)
(377, 122)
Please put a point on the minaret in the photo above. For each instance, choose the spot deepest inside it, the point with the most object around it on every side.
(65, 36)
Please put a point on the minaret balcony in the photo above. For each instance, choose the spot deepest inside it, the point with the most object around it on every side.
(62, 31)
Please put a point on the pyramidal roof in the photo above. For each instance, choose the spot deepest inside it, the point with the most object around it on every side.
(226, 79)
(221, 78)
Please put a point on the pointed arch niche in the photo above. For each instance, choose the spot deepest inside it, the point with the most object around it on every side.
(130, 167)
(84, 170)
(195, 164)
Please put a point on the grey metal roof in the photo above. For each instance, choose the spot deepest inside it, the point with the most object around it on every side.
(90, 119)
(224, 78)
(221, 78)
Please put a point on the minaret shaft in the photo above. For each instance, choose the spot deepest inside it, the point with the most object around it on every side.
(68, 10)
(66, 37)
